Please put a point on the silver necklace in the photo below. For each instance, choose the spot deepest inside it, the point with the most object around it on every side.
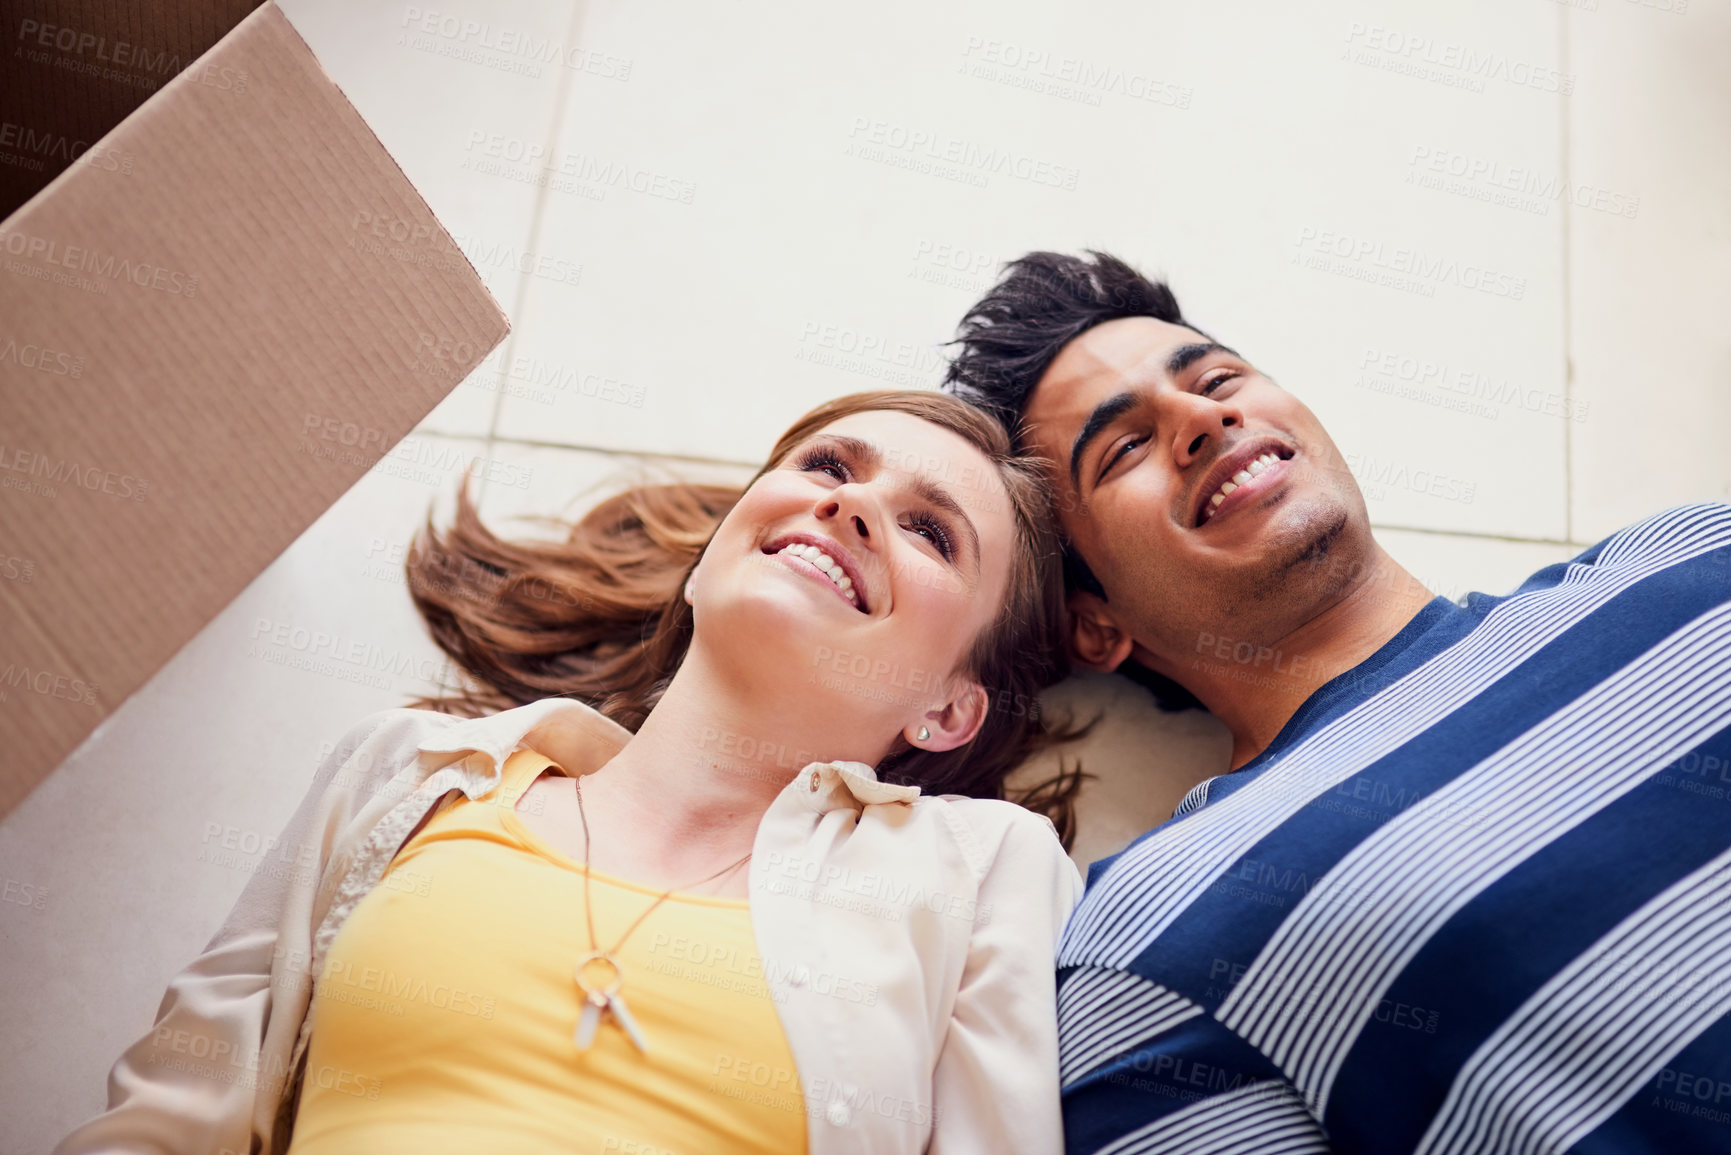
(603, 997)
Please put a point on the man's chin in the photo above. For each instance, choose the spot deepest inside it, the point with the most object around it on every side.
(1304, 549)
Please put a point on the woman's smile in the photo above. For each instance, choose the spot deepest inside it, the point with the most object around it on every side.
(820, 566)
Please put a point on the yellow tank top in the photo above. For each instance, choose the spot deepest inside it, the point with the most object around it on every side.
(444, 1015)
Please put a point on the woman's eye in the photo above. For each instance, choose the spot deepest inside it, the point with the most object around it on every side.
(934, 533)
(823, 461)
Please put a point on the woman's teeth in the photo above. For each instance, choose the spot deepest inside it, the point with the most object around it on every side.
(825, 563)
(1242, 476)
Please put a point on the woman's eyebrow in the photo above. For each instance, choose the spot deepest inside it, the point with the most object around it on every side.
(863, 452)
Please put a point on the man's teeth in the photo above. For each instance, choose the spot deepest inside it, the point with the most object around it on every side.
(825, 563)
(1243, 475)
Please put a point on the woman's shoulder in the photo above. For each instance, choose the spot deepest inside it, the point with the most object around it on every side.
(1018, 863)
(989, 826)
(378, 745)
(396, 725)
(989, 813)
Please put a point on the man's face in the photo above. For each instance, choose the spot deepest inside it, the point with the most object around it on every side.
(1197, 490)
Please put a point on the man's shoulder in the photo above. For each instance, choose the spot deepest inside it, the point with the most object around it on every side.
(1675, 535)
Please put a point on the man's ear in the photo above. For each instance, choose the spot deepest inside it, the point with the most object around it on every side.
(1096, 641)
(954, 723)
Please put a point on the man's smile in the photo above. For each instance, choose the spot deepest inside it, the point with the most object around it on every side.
(1251, 469)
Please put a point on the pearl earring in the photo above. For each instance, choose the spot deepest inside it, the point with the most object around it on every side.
(690, 591)
(924, 734)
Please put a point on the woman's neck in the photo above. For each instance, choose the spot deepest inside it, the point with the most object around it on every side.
(697, 777)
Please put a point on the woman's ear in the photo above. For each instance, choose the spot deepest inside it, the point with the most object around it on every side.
(1096, 642)
(690, 591)
(953, 724)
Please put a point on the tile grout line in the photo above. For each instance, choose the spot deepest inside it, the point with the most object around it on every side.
(1509, 537)
(695, 459)
(578, 447)
(447, 675)
(1565, 17)
(526, 277)
(616, 451)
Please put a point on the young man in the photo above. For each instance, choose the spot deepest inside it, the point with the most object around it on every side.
(1467, 885)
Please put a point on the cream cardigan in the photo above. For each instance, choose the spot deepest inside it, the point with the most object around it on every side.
(907, 941)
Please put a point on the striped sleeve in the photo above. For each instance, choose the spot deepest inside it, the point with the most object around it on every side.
(1147, 1070)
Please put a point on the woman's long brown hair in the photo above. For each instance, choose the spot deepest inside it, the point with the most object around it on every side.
(599, 617)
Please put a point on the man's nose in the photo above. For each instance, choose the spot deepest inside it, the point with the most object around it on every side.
(1200, 420)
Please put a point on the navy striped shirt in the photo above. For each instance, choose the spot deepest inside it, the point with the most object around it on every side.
(1475, 897)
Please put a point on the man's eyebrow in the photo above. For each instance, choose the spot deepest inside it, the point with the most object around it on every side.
(1104, 414)
(923, 488)
(1185, 356)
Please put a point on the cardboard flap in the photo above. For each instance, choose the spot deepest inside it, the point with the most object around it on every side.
(210, 328)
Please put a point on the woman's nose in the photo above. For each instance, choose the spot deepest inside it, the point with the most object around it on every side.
(832, 507)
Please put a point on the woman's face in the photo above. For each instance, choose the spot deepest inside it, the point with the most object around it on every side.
(861, 569)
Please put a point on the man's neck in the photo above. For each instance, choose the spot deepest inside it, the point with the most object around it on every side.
(1255, 685)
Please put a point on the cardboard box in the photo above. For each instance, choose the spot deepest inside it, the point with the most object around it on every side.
(211, 326)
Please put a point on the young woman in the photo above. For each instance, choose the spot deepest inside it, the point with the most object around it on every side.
(718, 864)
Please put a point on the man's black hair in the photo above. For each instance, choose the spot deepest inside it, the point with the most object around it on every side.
(1041, 303)
(1012, 335)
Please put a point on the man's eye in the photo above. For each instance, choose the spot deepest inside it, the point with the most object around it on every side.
(1216, 379)
(1118, 453)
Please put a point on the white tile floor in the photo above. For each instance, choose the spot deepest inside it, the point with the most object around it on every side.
(1486, 242)
(1648, 277)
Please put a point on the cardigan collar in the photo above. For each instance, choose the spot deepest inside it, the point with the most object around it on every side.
(580, 739)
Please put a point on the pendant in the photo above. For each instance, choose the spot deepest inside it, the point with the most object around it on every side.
(603, 999)
(617, 1005)
(588, 1021)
